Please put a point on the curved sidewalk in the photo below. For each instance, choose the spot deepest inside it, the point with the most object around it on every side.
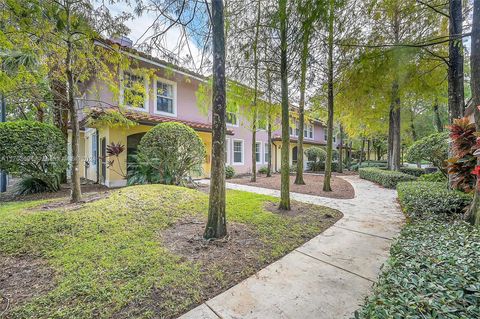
(327, 277)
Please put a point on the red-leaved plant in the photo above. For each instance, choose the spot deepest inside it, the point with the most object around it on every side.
(114, 150)
(461, 166)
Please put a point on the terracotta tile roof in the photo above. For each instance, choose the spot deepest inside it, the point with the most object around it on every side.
(150, 119)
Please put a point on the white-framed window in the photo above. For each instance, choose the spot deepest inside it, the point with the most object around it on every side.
(238, 152)
(297, 128)
(134, 90)
(231, 118)
(258, 152)
(266, 156)
(227, 151)
(308, 131)
(165, 93)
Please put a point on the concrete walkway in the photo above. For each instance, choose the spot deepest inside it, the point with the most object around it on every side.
(327, 277)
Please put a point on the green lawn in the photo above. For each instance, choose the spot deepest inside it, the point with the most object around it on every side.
(110, 260)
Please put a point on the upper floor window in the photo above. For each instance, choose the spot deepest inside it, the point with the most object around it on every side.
(134, 90)
(308, 131)
(258, 152)
(231, 118)
(165, 97)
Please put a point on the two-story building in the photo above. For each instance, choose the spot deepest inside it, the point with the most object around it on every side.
(169, 96)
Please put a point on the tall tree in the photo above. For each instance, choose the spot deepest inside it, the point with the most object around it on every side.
(285, 167)
(309, 12)
(217, 225)
(328, 163)
(455, 61)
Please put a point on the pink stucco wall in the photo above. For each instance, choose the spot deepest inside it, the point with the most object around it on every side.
(187, 109)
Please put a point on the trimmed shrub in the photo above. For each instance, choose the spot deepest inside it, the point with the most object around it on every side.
(355, 167)
(432, 273)
(438, 176)
(263, 170)
(432, 148)
(389, 179)
(414, 171)
(33, 150)
(174, 150)
(140, 173)
(423, 198)
(316, 158)
(229, 172)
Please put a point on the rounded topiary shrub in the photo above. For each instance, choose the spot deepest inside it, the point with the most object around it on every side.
(316, 158)
(34, 150)
(174, 150)
(432, 148)
(229, 172)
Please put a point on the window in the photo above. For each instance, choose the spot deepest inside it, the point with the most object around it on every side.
(231, 118)
(308, 131)
(267, 153)
(238, 152)
(134, 90)
(258, 152)
(165, 98)
(294, 128)
(297, 128)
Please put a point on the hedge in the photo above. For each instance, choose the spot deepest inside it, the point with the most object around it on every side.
(31, 149)
(355, 167)
(422, 198)
(438, 176)
(389, 179)
(415, 171)
(433, 272)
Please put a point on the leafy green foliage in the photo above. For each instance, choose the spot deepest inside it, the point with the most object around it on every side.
(111, 250)
(432, 273)
(414, 171)
(229, 172)
(432, 148)
(31, 185)
(422, 198)
(139, 172)
(433, 177)
(316, 158)
(462, 164)
(174, 150)
(33, 149)
(389, 179)
(263, 170)
(356, 166)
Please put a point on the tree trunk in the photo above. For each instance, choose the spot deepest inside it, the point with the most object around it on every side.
(269, 145)
(362, 150)
(412, 125)
(255, 113)
(217, 225)
(301, 109)
(390, 138)
(437, 118)
(76, 195)
(340, 151)
(285, 166)
(395, 148)
(473, 215)
(368, 152)
(328, 163)
(455, 59)
(254, 157)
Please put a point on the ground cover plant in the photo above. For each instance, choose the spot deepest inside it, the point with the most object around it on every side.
(389, 179)
(139, 252)
(414, 171)
(433, 272)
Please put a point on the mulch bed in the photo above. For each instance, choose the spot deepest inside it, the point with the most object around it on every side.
(21, 279)
(313, 185)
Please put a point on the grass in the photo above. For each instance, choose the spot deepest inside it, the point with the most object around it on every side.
(109, 258)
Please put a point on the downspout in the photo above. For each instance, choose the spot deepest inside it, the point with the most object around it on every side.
(98, 166)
